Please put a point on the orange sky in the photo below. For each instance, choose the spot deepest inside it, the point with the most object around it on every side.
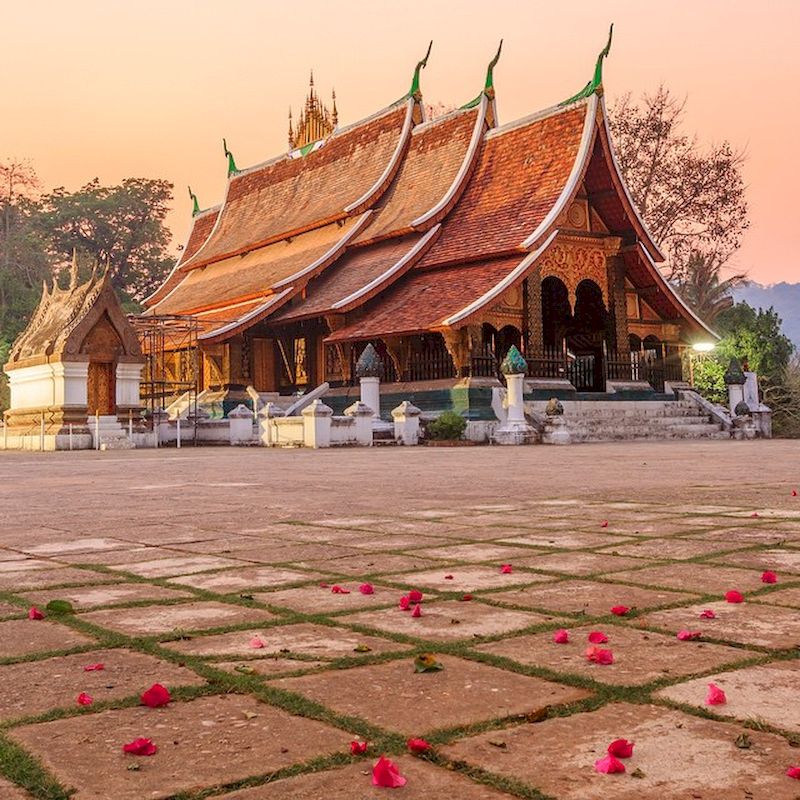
(111, 89)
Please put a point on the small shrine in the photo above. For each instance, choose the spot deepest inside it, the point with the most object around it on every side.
(74, 372)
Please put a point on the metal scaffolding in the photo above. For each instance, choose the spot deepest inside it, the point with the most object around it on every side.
(172, 366)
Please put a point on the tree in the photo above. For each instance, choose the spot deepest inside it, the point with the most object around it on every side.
(23, 253)
(691, 198)
(120, 225)
(700, 284)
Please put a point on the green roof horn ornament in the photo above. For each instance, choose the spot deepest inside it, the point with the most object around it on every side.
(232, 168)
(414, 91)
(488, 87)
(595, 85)
(195, 204)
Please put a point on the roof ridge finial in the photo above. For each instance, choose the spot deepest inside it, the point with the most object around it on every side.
(595, 85)
(489, 85)
(232, 168)
(195, 204)
(414, 90)
(335, 112)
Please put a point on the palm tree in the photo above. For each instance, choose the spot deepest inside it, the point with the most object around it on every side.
(701, 285)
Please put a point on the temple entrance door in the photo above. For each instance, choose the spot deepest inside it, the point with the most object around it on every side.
(101, 388)
(586, 337)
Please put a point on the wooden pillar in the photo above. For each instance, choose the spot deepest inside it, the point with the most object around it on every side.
(618, 308)
(533, 323)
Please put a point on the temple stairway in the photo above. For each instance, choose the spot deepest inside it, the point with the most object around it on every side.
(605, 421)
(113, 435)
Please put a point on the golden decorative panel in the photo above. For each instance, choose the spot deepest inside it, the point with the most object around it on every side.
(573, 263)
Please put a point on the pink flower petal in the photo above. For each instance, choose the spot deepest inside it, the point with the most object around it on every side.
(794, 772)
(324, 585)
(597, 655)
(604, 523)
(609, 765)
(715, 696)
(358, 748)
(734, 597)
(34, 613)
(405, 603)
(755, 515)
(794, 492)
(366, 588)
(561, 636)
(94, 667)
(415, 596)
(156, 696)
(620, 748)
(769, 577)
(687, 636)
(708, 614)
(465, 598)
(598, 637)
(339, 590)
(256, 643)
(417, 612)
(506, 569)
(620, 611)
(418, 745)
(385, 773)
(85, 699)
(140, 747)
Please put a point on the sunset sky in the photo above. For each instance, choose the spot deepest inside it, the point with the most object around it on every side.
(148, 89)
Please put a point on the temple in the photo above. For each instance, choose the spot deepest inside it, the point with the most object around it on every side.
(441, 242)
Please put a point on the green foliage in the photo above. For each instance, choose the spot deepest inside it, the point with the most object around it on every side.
(5, 398)
(784, 400)
(122, 225)
(708, 379)
(448, 426)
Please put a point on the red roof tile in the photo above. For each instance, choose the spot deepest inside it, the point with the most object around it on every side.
(295, 194)
(424, 298)
(520, 175)
(435, 155)
(254, 274)
(350, 273)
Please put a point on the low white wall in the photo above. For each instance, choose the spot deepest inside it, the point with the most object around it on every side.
(45, 385)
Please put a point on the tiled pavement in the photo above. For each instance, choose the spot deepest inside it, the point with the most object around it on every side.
(213, 572)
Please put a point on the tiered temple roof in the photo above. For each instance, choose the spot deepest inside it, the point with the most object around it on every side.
(405, 225)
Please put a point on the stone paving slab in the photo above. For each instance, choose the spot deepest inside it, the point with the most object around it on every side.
(677, 549)
(765, 693)
(86, 597)
(109, 558)
(25, 565)
(678, 757)
(580, 563)
(247, 577)
(640, 657)
(477, 552)
(736, 537)
(588, 597)
(320, 641)
(455, 578)
(169, 567)
(294, 553)
(85, 544)
(24, 637)
(9, 791)
(316, 599)
(567, 540)
(396, 698)
(781, 561)
(9, 610)
(363, 564)
(700, 578)
(781, 597)
(449, 620)
(56, 576)
(354, 782)
(57, 682)
(204, 742)
(157, 620)
(747, 623)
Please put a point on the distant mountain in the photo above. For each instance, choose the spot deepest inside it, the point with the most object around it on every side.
(783, 297)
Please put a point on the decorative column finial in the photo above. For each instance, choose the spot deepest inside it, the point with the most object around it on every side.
(369, 364)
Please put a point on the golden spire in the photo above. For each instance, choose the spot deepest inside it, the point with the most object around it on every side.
(315, 121)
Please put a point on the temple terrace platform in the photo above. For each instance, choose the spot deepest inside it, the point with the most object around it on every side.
(212, 572)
